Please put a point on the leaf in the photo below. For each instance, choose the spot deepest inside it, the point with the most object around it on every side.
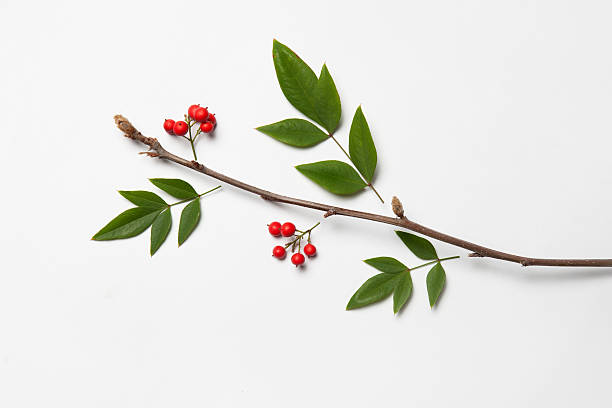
(327, 101)
(294, 132)
(144, 199)
(296, 79)
(160, 229)
(419, 246)
(334, 176)
(189, 220)
(377, 288)
(127, 224)
(175, 187)
(403, 290)
(436, 278)
(386, 264)
(361, 146)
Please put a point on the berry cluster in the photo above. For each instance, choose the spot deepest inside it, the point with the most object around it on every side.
(288, 230)
(195, 114)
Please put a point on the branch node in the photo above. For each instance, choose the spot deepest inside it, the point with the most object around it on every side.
(196, 165)
(329, 213)
(396, 206)
(267, 198)
(475, 255)
(150, 154)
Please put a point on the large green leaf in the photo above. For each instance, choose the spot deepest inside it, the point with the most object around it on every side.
(436, 278)
(160, 229)
(175, 187)
(327, 101)
(296, 79)
(189, 220)
(334, 176)
(387, 264)
(377, 288)
(127, 224)
(144, 199)
(295, 132)
(419, 246)
(361, 146)
(403, 290)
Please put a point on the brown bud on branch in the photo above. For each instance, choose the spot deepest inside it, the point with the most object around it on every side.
(397, 207)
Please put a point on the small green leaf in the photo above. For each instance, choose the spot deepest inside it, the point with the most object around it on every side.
(327, 101)
(361, 146)
(386, 264)
(144, 199)
(377, 288)
(127, 224)
(175, 187)
(294, 132)
(403, 290)
(334, 176)
(419, 246)
(160, 229)
(189, 220)
(296, 79)
(436, 278)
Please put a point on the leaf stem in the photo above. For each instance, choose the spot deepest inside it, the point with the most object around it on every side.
(331, 135)
(433, 262)
(376, 192)
(193, 198)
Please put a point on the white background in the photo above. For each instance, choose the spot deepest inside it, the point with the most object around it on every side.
(492, 123)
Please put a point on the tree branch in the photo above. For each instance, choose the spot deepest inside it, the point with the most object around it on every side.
(156, 150)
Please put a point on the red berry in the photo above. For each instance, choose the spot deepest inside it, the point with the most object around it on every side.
(297, 259)
(274, 228)
(288, 229)
(192, 110)
(212, 119)
(310, 250)
(169, 125)
(206, 127)
(200, 114)
(180, 128)
(278, 252)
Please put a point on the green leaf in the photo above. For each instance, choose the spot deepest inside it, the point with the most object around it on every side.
(296, 79)
(175, 187)
(327, 101)
(419, 246)
(386, 264)
(144, 199)
(334, 176)
(127, 224)
(403, 290)
(189, 220)
(377, 288)
(294, 132)
(361, 146)
(436, 278)
(160, 229)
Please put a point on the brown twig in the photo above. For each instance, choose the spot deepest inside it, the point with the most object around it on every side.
(401, 221)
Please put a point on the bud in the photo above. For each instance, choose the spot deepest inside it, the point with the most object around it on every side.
(125, 126)
(397, 207)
